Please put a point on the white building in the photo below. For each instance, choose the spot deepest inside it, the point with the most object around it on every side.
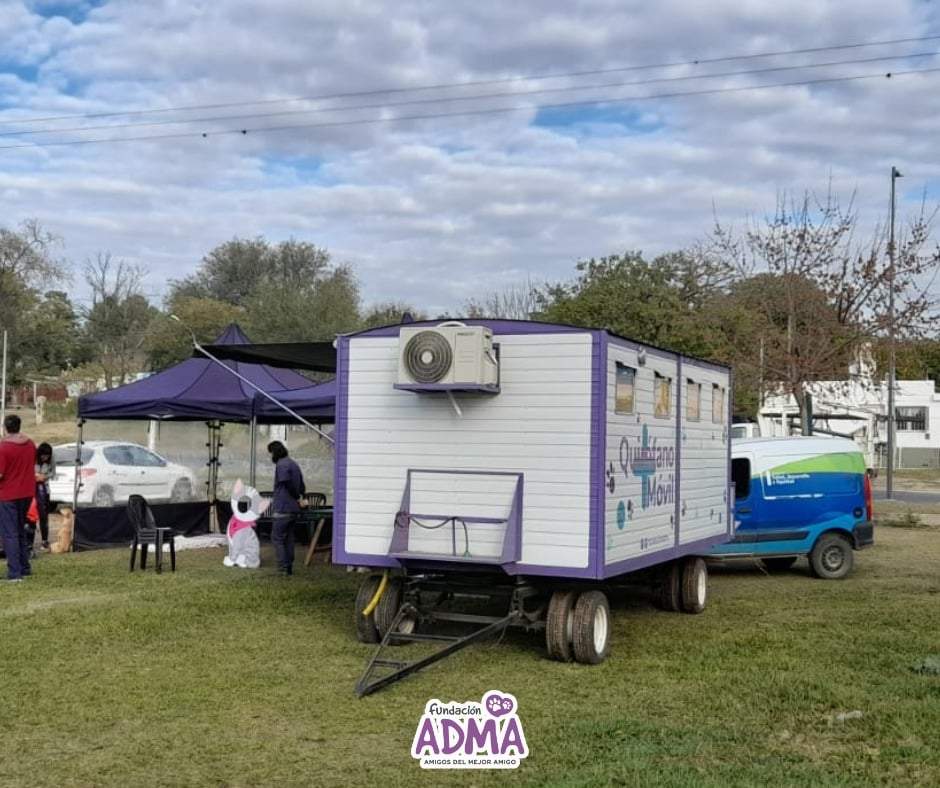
(857, 408)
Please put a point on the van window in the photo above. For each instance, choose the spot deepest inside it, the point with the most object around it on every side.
(741, 476)
(662, 393)
(623, 392)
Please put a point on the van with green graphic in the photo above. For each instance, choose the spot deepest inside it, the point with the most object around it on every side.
(798, 497)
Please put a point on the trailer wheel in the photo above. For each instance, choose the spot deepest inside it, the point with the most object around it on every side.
(387, 609)
(559, 624)
(694, 585)
(668, 592)
(365, 625)
(831, 557)
(591, 628)
(778, 564)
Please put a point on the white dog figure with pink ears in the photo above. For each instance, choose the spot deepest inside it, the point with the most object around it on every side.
(244, 551)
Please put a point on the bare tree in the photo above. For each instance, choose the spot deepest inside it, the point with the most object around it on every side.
(26, 255)
(812, 295)
(118, 317)
(514, 302)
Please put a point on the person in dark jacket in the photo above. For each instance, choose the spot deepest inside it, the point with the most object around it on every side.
(288, 490)
(45, 472)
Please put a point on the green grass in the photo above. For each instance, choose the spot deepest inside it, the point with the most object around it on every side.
(213, 676)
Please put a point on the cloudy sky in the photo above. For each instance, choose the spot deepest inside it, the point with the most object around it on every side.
(434, 210)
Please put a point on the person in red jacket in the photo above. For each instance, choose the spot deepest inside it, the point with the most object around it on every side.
(17, 487)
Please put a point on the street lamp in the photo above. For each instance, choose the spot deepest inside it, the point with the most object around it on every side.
(892, 372)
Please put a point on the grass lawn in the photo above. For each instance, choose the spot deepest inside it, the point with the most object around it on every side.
(213, 676)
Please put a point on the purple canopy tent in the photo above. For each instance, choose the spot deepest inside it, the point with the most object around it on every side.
(202, 389)
(315, 403)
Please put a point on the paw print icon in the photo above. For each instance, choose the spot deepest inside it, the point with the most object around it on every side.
(611, 480)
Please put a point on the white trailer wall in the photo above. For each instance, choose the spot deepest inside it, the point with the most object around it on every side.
(539, 424)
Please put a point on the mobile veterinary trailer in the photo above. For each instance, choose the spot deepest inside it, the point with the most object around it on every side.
(800, 496)
(536, 460)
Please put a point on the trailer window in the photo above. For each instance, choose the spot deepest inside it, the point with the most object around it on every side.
(741, 476)
(911, 419)
(693, 400)
(663, 395)
(623, 395)
(718, 404)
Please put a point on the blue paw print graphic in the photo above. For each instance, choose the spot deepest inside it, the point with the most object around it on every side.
(621, 515)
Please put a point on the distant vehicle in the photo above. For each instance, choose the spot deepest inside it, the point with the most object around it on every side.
(800, 497)
(113, 470)
(745, 429)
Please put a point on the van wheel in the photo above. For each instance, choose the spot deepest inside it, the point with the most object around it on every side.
(366, 631)
(778, 564)
(694, 585)
(831, 558)
(387, 609)
(559, 624)
(668, 590)
(591, 628)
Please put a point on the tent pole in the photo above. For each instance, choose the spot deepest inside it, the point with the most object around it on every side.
(261, 391)
(77, 481)
(253, 444)
(212, 493)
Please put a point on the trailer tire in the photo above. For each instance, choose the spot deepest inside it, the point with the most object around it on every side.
(558, 625)
(591, 628)
(778, 564)
(831, 557)
(387, 609)
(365, 625)
(668, 592)
(694, 585)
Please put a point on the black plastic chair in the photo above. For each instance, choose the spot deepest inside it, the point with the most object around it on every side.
(147, 532)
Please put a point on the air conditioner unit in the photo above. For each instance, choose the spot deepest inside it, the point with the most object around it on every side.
(449, 356)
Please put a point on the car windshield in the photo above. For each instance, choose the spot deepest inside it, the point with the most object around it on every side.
(65, 455)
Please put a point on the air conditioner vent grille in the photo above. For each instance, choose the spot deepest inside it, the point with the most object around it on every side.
(428, 357)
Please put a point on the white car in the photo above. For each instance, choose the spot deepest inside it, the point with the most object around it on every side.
(111, 471)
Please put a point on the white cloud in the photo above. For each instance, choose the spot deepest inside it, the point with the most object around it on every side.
(430, 211)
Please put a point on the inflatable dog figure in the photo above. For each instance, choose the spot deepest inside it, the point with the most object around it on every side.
(243, 548)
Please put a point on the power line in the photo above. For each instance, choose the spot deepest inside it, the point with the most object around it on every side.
(469, 113)
(475, 97)
(479, 83)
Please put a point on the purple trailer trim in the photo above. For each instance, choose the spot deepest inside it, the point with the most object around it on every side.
(597, 523)
(340, 556)
(679, 386)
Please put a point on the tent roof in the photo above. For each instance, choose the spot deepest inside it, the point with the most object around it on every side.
(315, 403)
(196, 389)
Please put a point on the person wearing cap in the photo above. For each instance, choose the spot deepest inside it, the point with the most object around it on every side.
(17, 487)
(288, 490)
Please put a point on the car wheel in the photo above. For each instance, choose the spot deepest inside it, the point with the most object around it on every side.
(182, 491)
(831, 558)
(778, 564)
(104, 497)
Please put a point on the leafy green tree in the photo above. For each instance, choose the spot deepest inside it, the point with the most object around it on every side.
(168, 342)
(388, 313)
(233, 271)
(316, 309)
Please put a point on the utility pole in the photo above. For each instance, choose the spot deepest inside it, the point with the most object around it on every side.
(892, 359)
(3, 382)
